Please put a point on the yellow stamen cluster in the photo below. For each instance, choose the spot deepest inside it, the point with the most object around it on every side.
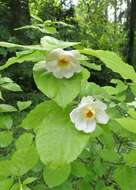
(89, 113)
(63, 61)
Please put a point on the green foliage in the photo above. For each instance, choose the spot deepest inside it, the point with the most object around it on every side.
(56, 176)
(125, 177)
(60, 88)
(5, 139)
(46, 151)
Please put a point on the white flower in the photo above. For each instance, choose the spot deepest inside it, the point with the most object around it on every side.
(88, 113)
(63, 63)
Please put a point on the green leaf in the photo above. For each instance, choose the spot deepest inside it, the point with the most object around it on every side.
(5, 168)
(5, 139)
(22, 105)
(6, 184)
(24, 140)
(29, 180)
(130, 158)
(92, 89)
(79, 169)
(6, 121)
(36, 116)
(125, 177)
(56, 176)
(40, 187)
(12, 87)
(12, 45)
(113, 62)
(37, 18)
(92, 66)
(127, 123)
(83, 185)
(23, 160)
(62, 91)
(65, 186)
(49, 43)
(27, 55)
(7, 108)
(109, 155)
(60, 135)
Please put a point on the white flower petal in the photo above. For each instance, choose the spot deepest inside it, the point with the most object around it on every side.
(87, 100)
(81, 125)
(77, 68)
(91, 126)
(102, 117)
(53, 55)
(73, 115)
(51, 65)
(75, 53)
(100, 105)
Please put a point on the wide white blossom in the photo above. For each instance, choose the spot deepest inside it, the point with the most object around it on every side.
(88, 113)
(63, 64)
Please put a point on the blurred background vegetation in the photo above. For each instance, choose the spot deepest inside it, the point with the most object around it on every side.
(97, 24)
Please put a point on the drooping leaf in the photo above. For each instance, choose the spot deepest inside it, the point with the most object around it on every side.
(12, 45)
(62, 91)
(60, 135)
(27, 55)
(113, 62)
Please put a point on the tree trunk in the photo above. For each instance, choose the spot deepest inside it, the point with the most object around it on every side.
(131, 33)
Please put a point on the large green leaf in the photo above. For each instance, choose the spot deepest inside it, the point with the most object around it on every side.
(125, 177)
(49, 43)
(23, 160)
(57, 140)
(36, 116)
(62, 91)
(127, 123)
(56, 176)
(24, 140)
(114, 62)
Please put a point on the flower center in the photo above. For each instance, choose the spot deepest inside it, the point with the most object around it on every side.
(89, 113)
(63, 61)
